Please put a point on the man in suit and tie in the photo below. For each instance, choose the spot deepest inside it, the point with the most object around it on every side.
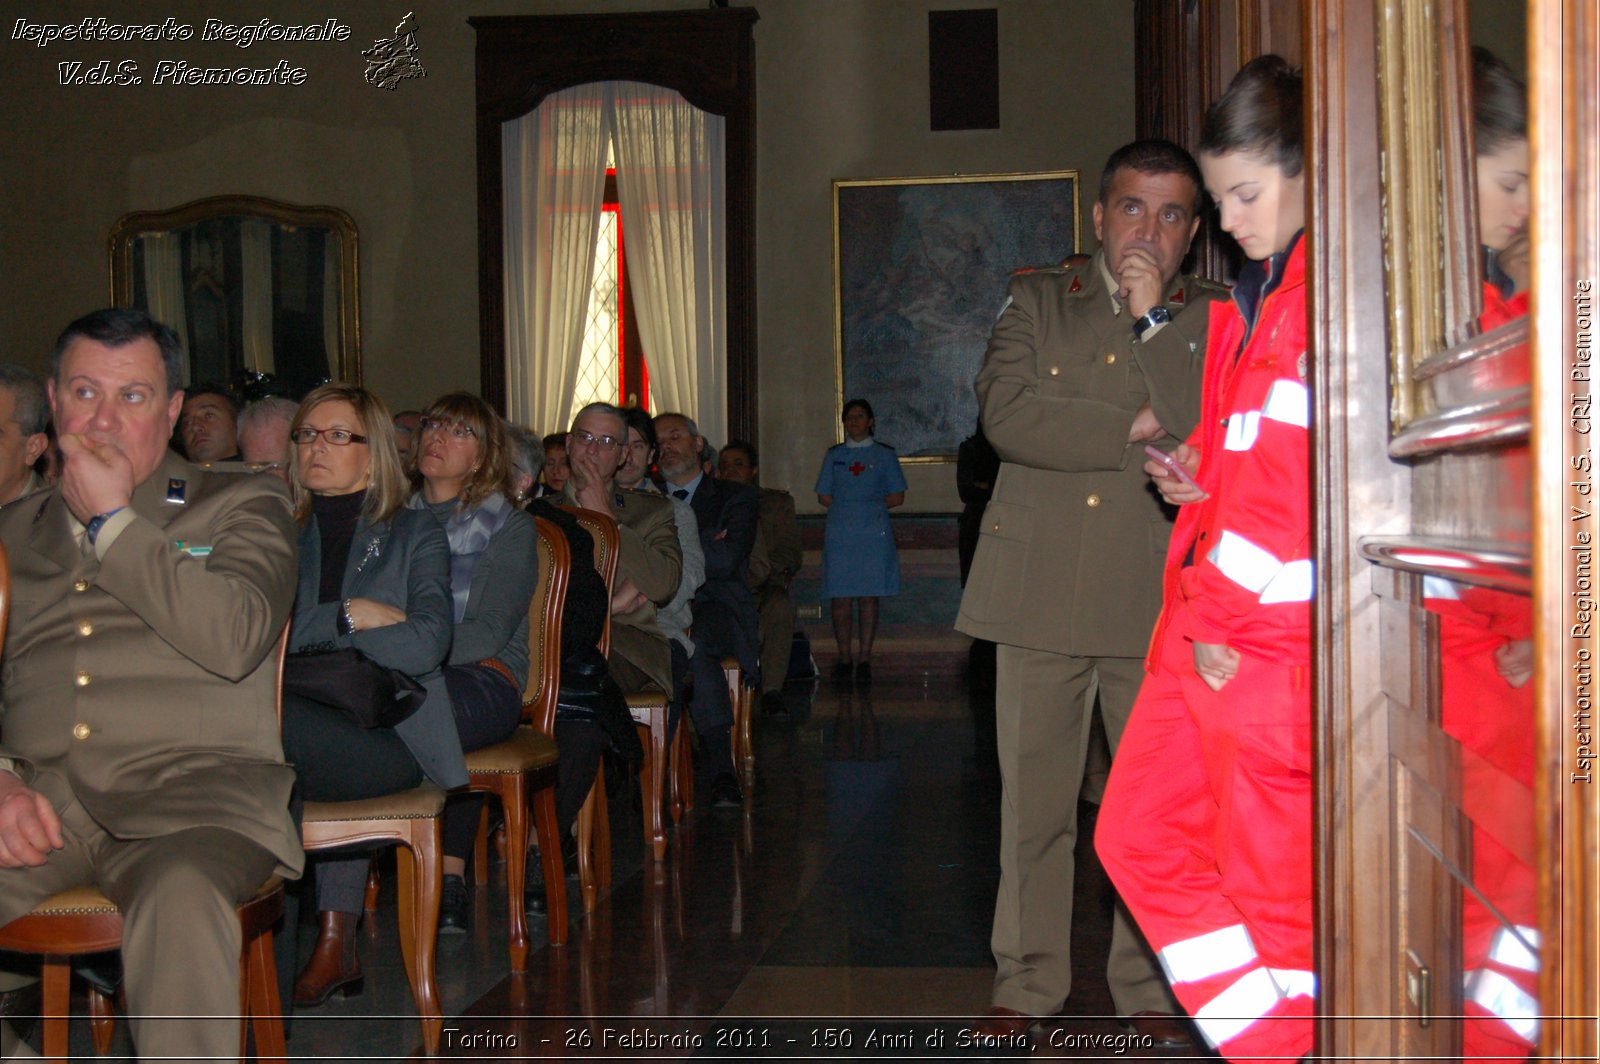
(724, 607)
(141, 751)
(1086, 364)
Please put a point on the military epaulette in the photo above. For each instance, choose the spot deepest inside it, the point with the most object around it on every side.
(1213, 286)
(1022, 271)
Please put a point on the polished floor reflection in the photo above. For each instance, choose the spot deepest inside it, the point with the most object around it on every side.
(843, 914)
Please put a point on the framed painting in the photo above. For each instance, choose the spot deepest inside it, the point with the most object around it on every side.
(920, 271)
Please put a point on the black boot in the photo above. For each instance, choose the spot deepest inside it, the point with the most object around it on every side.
(533, 894)
(455, 906)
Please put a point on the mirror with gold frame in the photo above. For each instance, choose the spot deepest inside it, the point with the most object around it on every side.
(260, 292)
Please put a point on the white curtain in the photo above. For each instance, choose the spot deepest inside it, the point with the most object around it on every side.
(255, 268)
(671, 182)
(163, 283)
(554, 171)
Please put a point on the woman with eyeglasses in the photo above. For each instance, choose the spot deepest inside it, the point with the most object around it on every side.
(375, 576)
(462, 465)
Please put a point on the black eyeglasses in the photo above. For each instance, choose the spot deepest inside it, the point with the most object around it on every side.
(337, 437)
(459, 430)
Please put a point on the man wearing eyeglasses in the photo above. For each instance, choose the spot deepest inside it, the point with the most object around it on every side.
(649, 563)
(141, 750)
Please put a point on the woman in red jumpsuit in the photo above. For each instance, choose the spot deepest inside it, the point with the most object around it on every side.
(1206, 824)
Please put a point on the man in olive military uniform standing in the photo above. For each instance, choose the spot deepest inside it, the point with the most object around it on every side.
(1085, 366)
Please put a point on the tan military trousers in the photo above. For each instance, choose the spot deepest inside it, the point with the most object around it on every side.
(1044, 706)
(181, 938)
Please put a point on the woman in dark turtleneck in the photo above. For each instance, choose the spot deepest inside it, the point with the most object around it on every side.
(462, 466)
(376, 576)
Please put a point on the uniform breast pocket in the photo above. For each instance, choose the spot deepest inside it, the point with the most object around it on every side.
(999, 569)
(1061, 373)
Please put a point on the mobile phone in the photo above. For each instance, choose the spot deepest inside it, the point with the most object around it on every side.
(1171, 464)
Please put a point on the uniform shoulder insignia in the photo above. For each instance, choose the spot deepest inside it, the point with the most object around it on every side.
(1208, 285)
(1077, 284)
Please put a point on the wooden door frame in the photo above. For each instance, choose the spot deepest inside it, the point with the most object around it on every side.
(1565, 152)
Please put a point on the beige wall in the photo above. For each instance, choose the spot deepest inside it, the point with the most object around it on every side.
(841, 91)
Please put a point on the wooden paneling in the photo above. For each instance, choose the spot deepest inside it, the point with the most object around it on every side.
(1565, 135)
(1355, 489)
(709, 57)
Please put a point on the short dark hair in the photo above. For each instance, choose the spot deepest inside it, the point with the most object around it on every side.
(1499, 103)
(865, 406)
(749, 450)
(638, 419)
(1152, 156)
(1261, 115)
(195, 391)
(554, 440)
(30, 406)
(116, 327)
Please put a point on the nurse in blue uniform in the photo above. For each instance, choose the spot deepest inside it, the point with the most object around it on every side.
(859, 484)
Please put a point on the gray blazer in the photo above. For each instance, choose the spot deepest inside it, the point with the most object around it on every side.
(404, 561)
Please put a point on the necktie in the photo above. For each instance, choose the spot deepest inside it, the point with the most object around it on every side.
(680, 493)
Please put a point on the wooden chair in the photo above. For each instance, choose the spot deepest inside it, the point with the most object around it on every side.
(83, 920)
(529, 757)
(741, 698)
(410, 819)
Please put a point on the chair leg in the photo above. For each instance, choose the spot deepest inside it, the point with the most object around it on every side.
(602, 837)
(480, 847)
(588, 816)
(652, 737)
(369, 901)
(261, 1004)
(514, 797)
(102, 1022)
(55, 1004)
(420, 879)
(555, 873)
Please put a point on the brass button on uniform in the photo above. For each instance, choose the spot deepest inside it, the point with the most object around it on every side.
(83, 679)
(85, 628)
(995, 527)
(80, 585)
(1111, 359)
(80, 731)
(1055, 371)
(1093, 501)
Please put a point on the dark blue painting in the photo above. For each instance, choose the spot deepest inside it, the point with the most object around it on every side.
(921, 266)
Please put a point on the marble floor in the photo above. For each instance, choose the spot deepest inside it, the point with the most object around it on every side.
(843, 914)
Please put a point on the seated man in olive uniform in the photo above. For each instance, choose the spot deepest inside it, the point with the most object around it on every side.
(773, 562)
(141, 751)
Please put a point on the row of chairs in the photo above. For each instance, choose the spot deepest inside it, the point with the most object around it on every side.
(520, 772)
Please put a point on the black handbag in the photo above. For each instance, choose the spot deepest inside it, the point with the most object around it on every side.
(345, 679)
(588, 693)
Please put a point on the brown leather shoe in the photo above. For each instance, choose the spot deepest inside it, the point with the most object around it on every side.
(1163, 1029)
(1001, 1027)
(334, 964)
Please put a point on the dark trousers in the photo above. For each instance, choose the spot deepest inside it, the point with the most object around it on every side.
(487, 710)
(336, 760)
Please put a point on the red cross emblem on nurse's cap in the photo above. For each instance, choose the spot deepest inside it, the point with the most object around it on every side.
(856, 468)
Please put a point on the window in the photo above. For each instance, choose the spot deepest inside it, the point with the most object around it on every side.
(613, 368)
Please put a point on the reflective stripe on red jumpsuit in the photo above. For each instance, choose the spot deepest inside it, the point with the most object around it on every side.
(1207, 820)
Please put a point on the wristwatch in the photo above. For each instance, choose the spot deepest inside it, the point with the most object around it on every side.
(97, 522)
(1153, 317)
